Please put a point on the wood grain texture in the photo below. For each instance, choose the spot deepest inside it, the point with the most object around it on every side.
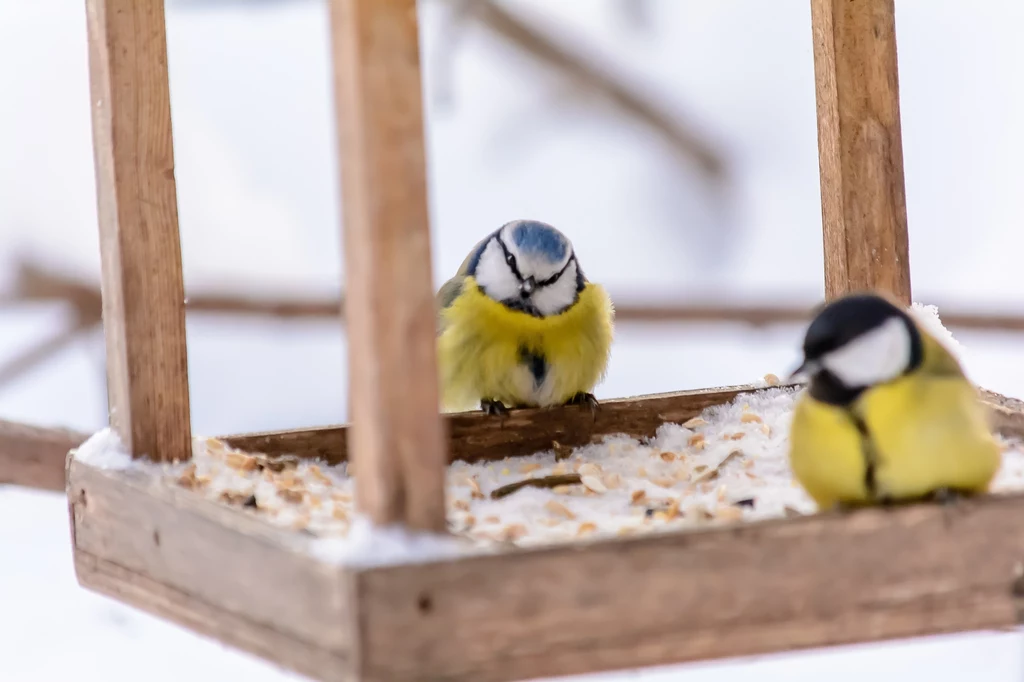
(399, 444)
(475, 436)
(209, 568)
(34, 456)
(582, 607)
(748, 589)
(860, 149)
(143, 293)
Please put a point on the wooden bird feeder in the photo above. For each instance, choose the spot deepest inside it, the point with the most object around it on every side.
(751, 588)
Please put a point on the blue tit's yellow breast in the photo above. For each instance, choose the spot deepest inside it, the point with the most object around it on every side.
(487, 351)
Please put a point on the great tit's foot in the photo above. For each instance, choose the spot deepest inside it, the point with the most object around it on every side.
(947, 497)
(495, 408)
(950, 501)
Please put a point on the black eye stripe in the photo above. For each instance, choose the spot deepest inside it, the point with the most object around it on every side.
(554, 278)
(510, 259)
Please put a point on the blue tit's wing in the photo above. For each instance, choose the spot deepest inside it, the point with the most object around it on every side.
(451, 289)
(474, 256)
(448, 292)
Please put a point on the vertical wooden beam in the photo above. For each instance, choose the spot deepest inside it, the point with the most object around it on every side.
(398, 442)
(143, 293)
(863, 199)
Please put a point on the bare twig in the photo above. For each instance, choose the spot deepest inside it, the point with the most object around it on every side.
(543, 482)
(41, 284)
(552, 49)
(33, 456)
(33, 356)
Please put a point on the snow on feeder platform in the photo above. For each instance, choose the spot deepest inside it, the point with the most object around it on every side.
(659, 529)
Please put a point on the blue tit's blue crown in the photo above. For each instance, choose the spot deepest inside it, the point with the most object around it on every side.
(532, 236)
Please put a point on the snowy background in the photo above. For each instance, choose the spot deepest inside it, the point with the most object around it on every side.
(257, 182)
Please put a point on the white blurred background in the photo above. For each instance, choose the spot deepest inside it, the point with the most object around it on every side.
(718, 203)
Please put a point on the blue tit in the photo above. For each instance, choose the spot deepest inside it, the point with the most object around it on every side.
(520, 325)
(889, 415)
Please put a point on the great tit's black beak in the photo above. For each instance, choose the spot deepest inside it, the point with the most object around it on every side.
(527, 286)
(806, 367)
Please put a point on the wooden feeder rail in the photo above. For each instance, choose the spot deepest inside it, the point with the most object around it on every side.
(597, 605)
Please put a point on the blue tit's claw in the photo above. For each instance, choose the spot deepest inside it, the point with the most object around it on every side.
(495, 408)
(587, 399)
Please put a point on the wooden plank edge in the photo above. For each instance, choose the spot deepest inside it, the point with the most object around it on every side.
(475, 436)
(99, 574)
(181, 608)
(34, 457)
(194, 559)
(750, 588)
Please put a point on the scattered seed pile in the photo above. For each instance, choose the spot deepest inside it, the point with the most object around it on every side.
(728, 464)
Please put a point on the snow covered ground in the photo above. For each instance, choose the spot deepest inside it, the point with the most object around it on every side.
(257, 183)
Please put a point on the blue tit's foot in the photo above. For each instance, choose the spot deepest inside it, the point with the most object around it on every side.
(495, 408)
(587, 399)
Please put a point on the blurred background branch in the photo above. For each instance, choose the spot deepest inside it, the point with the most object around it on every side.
(555, 48)
(35, 283)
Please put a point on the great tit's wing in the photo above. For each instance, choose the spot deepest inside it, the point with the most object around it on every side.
(937, 361)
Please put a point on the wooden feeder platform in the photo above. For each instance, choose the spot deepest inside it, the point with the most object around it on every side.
(588, 606)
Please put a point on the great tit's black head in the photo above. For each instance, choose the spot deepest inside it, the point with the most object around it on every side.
(856, 342)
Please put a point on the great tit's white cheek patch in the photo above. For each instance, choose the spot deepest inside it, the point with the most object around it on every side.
(494, 275)
(880, 355)
(556, 297)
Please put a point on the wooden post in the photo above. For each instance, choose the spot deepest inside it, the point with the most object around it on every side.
(863, 200)
(143, 293)
(398, 442)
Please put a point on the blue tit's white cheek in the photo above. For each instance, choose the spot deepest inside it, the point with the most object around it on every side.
(539, 266)
(556, 297)
(880, 355)
(494, 275)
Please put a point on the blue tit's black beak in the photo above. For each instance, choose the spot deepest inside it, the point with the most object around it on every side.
(527, 286)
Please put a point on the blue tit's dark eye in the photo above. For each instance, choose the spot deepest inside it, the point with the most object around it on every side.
(510, 259)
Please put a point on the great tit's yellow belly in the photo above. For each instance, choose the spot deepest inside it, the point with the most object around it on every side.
(488, 352)
(929, 433)
(925, 433)
(825, 453)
